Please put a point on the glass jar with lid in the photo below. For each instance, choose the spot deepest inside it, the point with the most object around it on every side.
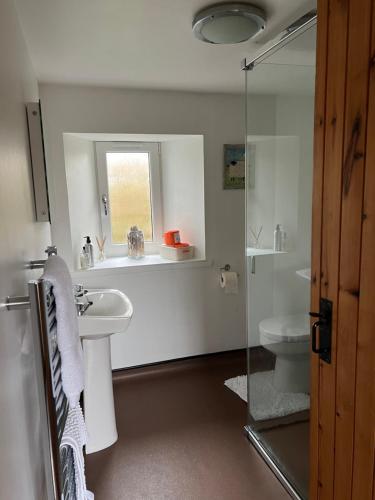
(136, 243)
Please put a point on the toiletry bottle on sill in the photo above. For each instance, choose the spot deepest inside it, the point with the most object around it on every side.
(89, 249)
(282, 240)
(84, 259)
(277, 239)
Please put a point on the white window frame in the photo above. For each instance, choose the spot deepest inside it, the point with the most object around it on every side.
(153, 149)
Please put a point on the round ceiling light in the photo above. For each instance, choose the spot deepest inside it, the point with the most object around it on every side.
(228, 23)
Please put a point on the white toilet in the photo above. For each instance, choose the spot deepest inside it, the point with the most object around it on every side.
(288, 337)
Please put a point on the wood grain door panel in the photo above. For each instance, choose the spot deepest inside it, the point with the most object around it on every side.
(343, 251)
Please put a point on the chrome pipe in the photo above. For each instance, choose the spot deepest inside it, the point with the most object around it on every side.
(36, 264)
(19, 302)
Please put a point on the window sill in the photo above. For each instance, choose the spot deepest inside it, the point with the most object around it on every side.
(114, 265)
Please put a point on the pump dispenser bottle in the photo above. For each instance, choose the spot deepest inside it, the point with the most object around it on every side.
(84, 259)
(277, 239)
(89, 250)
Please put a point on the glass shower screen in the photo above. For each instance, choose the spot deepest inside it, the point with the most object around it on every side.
(279, 146)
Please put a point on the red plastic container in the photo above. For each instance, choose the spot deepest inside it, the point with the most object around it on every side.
(172, 238)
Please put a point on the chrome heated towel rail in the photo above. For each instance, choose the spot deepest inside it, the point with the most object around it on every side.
(53, 402)
(54, 406)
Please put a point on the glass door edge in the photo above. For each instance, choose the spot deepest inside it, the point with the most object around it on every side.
(271, 463)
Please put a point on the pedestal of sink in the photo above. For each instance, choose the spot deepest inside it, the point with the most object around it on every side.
(110, 312)
(98, 395)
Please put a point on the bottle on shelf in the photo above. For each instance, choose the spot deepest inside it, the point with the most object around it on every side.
(89, 249)
(84, 259)
(279, 239)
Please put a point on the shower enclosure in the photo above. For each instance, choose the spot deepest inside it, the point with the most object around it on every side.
(279, 151)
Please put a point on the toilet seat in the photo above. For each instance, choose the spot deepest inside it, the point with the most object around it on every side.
(291, 328)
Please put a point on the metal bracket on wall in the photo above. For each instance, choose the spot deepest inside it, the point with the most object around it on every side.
(23, 301)
(226, 268)
(16, 303)
(39, 264)
(252, 264)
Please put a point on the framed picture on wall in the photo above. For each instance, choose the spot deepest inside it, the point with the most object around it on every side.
(234, 166)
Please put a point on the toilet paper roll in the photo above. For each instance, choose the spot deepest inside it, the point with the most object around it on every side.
(229, 282)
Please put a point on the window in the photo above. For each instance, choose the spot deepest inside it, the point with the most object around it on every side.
(129, 193)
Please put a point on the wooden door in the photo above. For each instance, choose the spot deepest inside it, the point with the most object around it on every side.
(343, 254)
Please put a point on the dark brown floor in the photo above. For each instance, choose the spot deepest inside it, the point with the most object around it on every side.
(181, 437)
(290, 447)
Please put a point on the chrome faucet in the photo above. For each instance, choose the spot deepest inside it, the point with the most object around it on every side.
(79, 290)
(82, 303)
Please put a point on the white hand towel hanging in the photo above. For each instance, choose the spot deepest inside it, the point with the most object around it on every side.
(75, 437)
(57, 273)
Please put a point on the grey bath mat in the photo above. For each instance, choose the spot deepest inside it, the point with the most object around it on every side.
(265, 401)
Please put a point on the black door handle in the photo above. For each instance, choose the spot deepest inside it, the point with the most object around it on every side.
(314, 329)
(323, 326)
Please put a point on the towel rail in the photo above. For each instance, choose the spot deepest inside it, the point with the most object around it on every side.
(58, 462)
(36, 264)
(54, 406)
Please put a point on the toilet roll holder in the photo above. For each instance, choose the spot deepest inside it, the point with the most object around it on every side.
(226, 268)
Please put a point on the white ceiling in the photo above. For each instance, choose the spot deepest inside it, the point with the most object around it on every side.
(141, 43)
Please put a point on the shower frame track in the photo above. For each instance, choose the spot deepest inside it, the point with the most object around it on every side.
(264, 453)
(293, 31)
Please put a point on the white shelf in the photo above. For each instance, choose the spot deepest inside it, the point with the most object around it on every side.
(253, 252)
(124, 265)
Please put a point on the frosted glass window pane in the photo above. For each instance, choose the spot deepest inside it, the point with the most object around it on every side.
(129, 194)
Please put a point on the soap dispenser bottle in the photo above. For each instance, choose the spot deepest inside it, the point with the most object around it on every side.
(279, 239)
(282, 240)
(89, 249)
(277, 235)
(84, 259)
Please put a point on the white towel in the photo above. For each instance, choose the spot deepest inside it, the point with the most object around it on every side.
(75, 437)
(72, 369)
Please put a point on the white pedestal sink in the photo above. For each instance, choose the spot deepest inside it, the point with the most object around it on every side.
(110, 313)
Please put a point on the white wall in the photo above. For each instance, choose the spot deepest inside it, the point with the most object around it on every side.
(282, 194)
(261, 195)
(177, 312)
(295, 118)
(182, 167)
(261, 213)
(21, 463)
(82, 190)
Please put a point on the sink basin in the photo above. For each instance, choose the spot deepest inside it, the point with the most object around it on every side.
(110, 313)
